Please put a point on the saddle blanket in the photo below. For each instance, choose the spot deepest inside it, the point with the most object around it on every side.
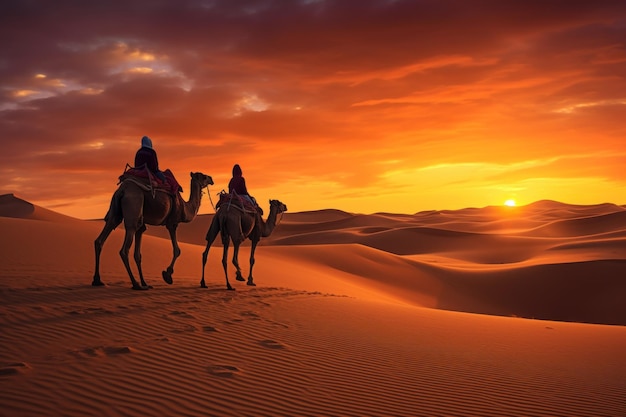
(239, 202)
(170, 185)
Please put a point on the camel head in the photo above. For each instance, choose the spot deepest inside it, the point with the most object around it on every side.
(280, 207)
(200, 178)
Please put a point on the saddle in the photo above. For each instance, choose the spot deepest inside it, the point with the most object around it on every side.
(239, 202)
(149, 182)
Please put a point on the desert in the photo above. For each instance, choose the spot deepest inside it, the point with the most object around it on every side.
(483, 311)
(442, 188)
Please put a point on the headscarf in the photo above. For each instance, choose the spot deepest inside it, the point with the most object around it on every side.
(146, 142)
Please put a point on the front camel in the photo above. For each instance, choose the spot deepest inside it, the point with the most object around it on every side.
(237, 224)
(138, 208)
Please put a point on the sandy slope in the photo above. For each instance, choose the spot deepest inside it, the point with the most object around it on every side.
(337, 324)
(546, 260)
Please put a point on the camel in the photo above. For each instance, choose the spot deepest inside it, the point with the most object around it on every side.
(237, 224)
(138, 207)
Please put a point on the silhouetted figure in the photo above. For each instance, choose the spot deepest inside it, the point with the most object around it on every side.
(237, 185)
(146, 157)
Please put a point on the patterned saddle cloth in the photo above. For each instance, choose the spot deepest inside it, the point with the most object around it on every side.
(232, 199)
(144, 177)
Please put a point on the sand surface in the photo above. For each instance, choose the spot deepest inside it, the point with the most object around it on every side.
(478, 312)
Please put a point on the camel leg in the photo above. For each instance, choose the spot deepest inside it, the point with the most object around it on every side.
(252, 249)
(167, 275)
(210, 238)
(138, 236)
(128, 241)
(225, 263)
(239, 276)
(205, 256)
(98, 244)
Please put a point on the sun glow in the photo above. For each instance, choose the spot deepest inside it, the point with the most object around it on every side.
(509, 203)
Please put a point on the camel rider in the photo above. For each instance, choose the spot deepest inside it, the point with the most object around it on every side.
(146, 157)
(237, 185)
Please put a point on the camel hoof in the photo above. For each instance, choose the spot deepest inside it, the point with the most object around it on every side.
(203, 285)
(97, 283)
(252, 284)
(230, 289)
(167, 277)
(238, 278)
(141, 287)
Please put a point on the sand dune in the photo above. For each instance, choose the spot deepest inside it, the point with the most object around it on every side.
(11, 206)
(353, 315)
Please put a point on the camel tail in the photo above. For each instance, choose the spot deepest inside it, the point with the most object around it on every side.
(115, 215)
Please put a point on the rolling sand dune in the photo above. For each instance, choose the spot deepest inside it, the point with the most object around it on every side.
(431, 314)
(11, 206)
(603, 223)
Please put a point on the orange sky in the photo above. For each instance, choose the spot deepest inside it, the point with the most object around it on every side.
(369, 106)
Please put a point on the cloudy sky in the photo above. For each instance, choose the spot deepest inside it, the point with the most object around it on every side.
(364, 106)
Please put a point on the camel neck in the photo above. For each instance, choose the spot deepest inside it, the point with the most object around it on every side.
(270, 224)
(192, 206)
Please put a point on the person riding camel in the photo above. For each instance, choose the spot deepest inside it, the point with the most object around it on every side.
(146, 157)
(237, 185)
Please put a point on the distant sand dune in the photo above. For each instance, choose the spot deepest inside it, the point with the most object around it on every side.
(11, 206)
(582, 226)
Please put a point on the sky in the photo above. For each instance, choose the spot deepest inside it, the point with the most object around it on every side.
(363, 106)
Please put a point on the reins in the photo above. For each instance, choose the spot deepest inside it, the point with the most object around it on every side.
(210, 199)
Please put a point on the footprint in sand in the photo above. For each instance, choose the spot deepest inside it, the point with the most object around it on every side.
(90, 310)
(182, 314)
(116, 350)
(251, 314)
(224, 371)
(95, 352)
(14, 368)
(272, 344)
(209, 329)
(233, 321)
(184, 329)
(91, 352)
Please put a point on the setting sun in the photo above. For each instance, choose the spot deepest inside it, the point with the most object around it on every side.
(509, 203)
